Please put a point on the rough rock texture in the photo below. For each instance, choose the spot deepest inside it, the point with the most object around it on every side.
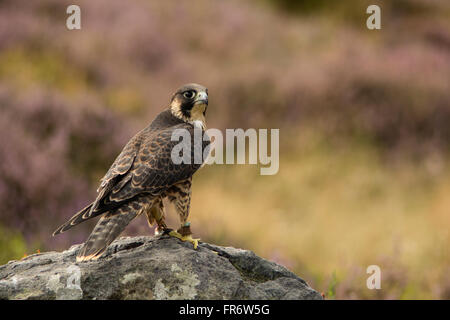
(152, 268)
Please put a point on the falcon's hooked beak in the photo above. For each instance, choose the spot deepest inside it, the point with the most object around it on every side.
(202, 98)
(200, 105)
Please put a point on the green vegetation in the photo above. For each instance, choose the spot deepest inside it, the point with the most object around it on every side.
(46, 68)
(12, 245)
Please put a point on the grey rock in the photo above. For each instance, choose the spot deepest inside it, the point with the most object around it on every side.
(152, 268)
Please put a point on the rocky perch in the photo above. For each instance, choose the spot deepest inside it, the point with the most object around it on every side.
(152, 268)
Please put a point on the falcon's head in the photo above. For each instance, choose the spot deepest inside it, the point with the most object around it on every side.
(189, 103)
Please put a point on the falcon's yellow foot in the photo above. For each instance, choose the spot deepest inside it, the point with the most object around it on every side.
(187, 238)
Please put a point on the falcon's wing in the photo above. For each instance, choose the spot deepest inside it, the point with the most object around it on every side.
(120, 167)
(122, 164)
(143, 166)
(152, 170)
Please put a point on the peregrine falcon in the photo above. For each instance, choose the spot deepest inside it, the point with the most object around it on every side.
(144, 174)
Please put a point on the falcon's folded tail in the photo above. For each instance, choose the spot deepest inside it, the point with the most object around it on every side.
(79, 217)
(107, 229)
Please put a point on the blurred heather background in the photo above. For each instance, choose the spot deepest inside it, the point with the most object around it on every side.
(364, 120)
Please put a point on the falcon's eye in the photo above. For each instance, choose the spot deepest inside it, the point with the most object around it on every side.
(189, 94)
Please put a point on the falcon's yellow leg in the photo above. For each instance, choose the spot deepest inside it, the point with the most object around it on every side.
(187, 237)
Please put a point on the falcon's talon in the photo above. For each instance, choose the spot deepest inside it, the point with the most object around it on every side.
(187, 238)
